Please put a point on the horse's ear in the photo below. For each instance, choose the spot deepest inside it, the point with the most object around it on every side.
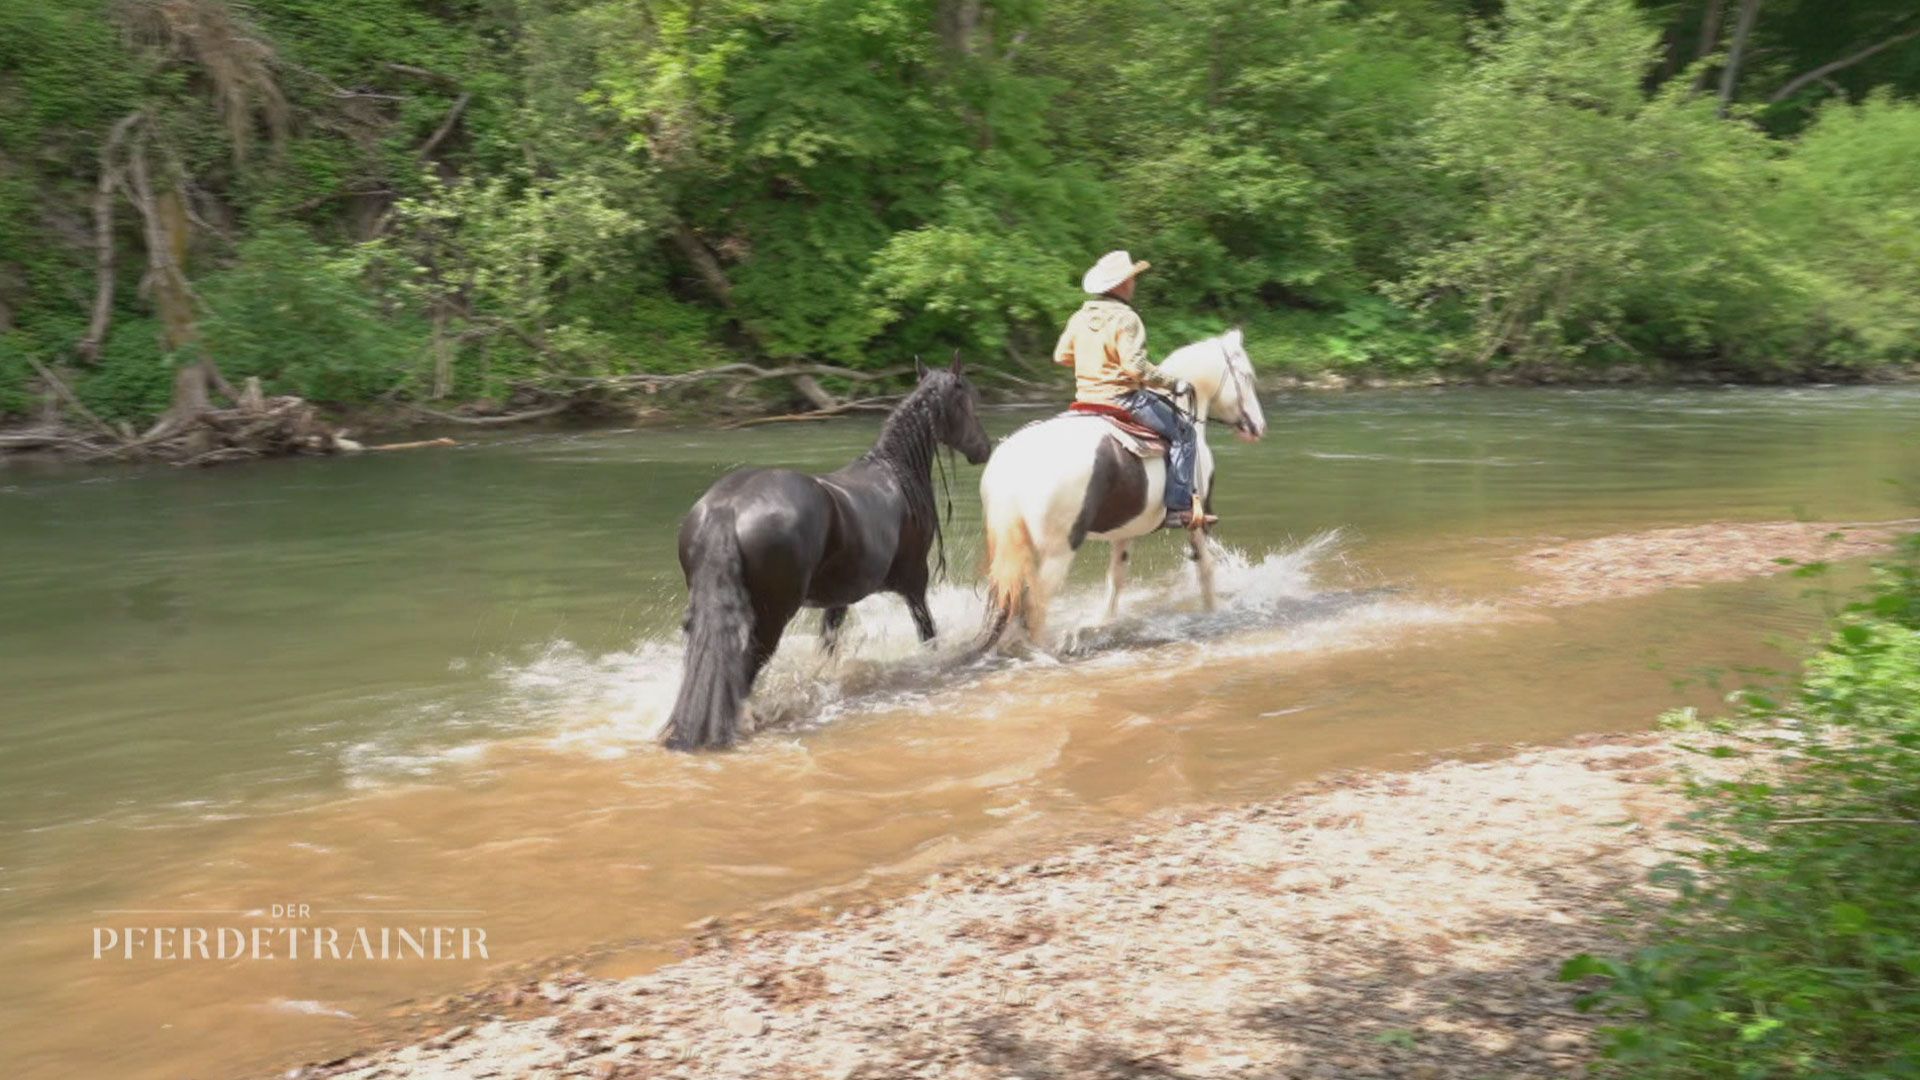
(919, 368)
(1235, 337)
(957, 367)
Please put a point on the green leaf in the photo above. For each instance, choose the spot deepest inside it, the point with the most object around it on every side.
(1587, 965)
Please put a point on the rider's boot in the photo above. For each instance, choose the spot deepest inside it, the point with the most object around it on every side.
(1188, 519)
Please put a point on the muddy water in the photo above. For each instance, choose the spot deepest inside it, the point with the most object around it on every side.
(419, 690)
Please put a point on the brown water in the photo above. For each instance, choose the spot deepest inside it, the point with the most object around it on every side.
(420, 689)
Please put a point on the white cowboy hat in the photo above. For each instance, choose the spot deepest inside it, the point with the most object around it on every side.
(1113, 268)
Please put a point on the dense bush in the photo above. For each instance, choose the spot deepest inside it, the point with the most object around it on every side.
(1793, 947)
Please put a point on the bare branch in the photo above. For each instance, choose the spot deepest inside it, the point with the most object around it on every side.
(66, 394)
(495, 421)
(1794, 85)
(745, 373)
(446, 126)
(872, 404)
(420, 73)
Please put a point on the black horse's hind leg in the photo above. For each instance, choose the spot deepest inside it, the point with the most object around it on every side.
(831, 620)
(911, 584)
(922, 618)
(770, 622)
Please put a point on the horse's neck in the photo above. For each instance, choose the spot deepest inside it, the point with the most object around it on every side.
(906, 448)
(906, 441)
(1203, 365)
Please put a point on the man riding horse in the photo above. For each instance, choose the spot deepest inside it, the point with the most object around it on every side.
(1105, 344)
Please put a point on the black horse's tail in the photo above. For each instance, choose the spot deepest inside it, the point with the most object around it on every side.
(715, 676)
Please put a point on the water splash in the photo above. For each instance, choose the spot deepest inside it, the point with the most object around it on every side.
(606, 705)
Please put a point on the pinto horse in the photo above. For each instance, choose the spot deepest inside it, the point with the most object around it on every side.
(1056, 482)
(763, 543)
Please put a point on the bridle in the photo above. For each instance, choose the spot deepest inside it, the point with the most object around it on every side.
(1189, 403)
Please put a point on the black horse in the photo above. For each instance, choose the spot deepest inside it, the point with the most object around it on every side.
(763, 543)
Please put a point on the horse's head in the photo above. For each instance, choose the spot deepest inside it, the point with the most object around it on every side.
(1237, 402)
(956, 410)
(1222, 376)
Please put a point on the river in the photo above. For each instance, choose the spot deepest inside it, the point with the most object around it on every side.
(421, 687)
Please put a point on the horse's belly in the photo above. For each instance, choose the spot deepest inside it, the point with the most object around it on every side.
(1152, 506)
(1045, 472)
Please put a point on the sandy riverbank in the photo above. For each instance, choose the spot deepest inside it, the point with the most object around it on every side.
(1379, 925)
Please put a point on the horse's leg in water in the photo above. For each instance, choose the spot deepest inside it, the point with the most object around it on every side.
(1116, 577)
(1201, 540)
(911, 583)
(1047, 579)
(831, 620)
(1203, 565)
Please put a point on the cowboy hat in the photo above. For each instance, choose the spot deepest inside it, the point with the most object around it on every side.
(1113, 268)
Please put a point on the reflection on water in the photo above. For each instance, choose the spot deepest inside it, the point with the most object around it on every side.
(431, 680)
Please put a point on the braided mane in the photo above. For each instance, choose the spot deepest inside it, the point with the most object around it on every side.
(908, 445)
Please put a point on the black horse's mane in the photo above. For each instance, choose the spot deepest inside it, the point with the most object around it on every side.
(909, 444)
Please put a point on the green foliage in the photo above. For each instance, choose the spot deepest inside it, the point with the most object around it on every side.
(293, 313)
(1610, 224)
(1792, 948)
(602, 186)
(1848, 212)
(16, 376)
(134, 377)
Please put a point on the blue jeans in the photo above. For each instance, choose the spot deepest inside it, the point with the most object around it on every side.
(1159, 414)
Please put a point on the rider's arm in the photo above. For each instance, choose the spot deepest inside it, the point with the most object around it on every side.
(1130, 343)
(1063, 350)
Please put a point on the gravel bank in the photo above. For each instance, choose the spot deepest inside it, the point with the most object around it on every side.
(1404, 925)
(1632, 564)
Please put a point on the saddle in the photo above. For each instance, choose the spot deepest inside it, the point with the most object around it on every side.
(1138, 439)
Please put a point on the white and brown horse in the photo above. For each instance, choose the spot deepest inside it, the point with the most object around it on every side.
(1054, 484)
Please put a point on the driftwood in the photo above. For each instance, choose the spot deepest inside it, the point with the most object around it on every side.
(494, 421)
(872, 404)
(261, 426)
(734, 377)
(258, 426)
(419, 444)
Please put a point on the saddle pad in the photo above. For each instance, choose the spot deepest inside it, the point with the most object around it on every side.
(1138, 439)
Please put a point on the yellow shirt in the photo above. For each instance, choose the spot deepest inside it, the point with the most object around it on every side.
(1105, 344)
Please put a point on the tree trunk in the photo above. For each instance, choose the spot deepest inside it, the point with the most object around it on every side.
(1730, 74)
(1710, 23)
(167, 231)
(442, 353)
(103, 195)
(960, 25)
(696, 252)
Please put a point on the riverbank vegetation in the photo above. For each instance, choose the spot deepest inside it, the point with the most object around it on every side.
(1793, 945)
(525, 202)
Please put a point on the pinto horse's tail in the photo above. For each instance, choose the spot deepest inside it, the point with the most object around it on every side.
(1010, 565)
(717, 673)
